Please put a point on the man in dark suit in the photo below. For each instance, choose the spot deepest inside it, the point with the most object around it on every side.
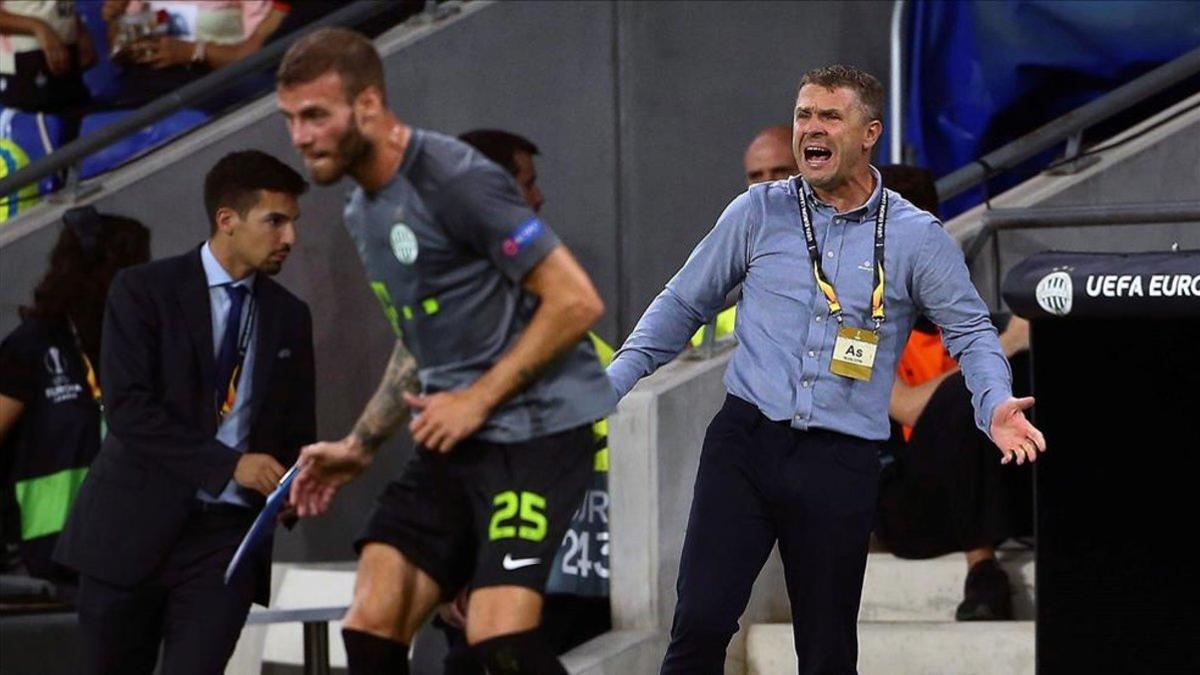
(207, 373)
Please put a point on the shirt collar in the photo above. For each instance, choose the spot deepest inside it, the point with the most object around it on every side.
(216, 275)
(867, 210)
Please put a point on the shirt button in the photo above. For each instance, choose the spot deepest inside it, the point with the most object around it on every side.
(804, 384)
(812, 353)
(829, 254)
(818, 318)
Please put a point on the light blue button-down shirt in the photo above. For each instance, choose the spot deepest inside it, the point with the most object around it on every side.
(235, 428)
(784, 330)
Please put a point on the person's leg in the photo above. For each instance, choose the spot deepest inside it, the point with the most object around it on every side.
(987, 593)
(459, 659)
(949, 493)
(204, 615)
(729, 535)
(121, 627)
(497, 610)
(825, 511)
(392, 598)
(502, 626)
(414, 553)
(524, 495)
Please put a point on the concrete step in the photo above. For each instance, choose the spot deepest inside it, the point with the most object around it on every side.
(930, 590)
(910, 648)
(893, 590)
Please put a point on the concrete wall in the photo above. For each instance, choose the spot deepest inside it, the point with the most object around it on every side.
(697, 81)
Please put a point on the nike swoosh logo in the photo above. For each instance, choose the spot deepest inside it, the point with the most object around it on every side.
(511, 563)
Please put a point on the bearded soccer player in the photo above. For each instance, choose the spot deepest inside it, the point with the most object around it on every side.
(492, 313)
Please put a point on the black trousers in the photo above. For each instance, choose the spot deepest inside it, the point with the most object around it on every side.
(185, 606)
(760, 481)
(946, 489)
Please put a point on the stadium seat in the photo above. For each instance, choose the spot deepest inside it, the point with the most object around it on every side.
(137, 143)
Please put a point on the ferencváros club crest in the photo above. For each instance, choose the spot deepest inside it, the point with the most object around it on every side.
(1054, 293)
(404, 244)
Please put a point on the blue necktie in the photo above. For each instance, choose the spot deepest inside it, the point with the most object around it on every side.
(227, 355)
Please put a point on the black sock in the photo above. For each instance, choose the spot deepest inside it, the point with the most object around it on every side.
(368, 654)
(518, 654)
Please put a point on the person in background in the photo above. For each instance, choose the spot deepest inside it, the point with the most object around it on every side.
(44, 50)
(769, 156)
(208, 376)
(51, 418)
(190, 39)
(942, 489)
(514, 153)
(226, 31)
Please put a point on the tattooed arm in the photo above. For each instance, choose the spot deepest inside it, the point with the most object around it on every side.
(326, 467)
(387, 410)
(568, 308)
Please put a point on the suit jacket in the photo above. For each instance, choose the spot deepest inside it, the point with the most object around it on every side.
(157, 371)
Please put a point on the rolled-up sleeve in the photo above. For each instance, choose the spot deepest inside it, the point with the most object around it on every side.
(692, 297)
(943, 290)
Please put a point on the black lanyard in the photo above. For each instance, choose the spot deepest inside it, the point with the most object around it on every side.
(225, 406)
(814, 254)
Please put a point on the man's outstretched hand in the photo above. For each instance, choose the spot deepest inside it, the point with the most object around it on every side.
(324, 469)
(1013, 434)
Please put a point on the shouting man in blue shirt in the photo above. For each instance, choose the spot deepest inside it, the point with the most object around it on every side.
(834, 270)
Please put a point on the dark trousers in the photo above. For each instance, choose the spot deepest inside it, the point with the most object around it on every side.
(185, 606)
(760, 481)
(946, 489)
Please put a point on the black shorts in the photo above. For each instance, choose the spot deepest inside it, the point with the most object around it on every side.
(485, 514)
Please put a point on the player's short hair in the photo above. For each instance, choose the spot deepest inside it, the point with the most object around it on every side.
(236, 178)
(340, 50)
(499, 146)
(868, 88)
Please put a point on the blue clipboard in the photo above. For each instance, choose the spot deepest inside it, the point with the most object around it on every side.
(264, 525)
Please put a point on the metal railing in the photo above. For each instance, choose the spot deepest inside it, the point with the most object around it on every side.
(1069, 127)
(1056, 217)
(316, 631)
(896, 72)
(69, 155)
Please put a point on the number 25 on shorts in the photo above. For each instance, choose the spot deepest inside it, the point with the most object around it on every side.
(532, 518)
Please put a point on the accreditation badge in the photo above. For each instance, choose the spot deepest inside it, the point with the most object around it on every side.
(854, 353)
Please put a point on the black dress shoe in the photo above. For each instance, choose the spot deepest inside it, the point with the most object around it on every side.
(987, 595)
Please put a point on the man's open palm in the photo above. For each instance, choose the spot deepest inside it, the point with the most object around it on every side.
(1014, 434)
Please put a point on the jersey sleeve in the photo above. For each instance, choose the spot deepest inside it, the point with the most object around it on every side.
(483, 210)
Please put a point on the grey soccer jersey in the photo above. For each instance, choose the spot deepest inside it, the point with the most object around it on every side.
(445, 245)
